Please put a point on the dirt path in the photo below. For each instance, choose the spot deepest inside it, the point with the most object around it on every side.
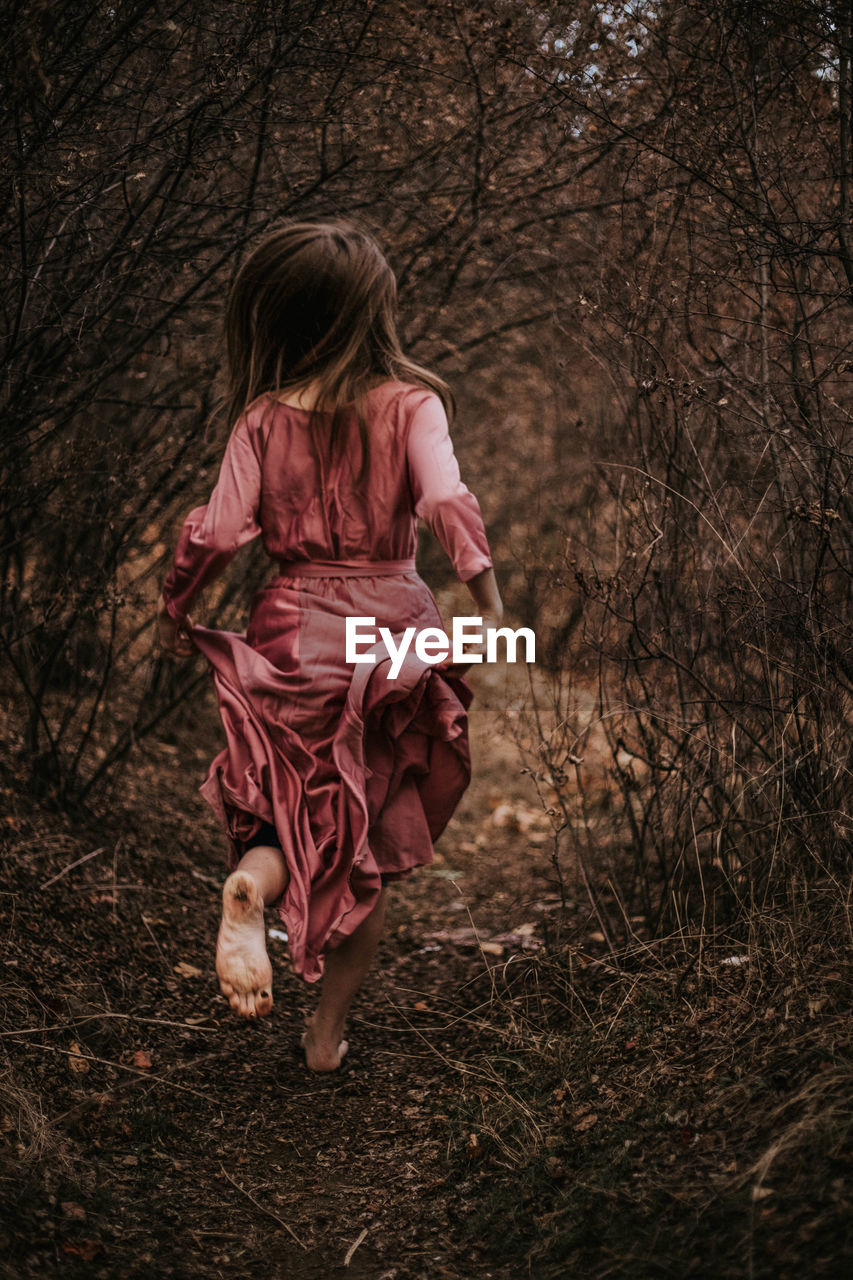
(148, 1132)
(503, 1112)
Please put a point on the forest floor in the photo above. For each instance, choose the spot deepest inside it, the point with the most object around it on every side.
(514, 1103)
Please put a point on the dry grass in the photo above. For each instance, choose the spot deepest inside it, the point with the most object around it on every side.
(653, 1122)
(24, 1124)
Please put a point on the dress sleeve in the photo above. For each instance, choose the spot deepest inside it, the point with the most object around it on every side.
(441, 499)
(213, 533)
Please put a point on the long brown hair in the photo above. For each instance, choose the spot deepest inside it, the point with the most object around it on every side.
(316, 302)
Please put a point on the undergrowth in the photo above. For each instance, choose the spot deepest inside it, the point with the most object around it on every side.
(658, 1121)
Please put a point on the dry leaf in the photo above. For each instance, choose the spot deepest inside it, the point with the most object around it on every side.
(88, 1250)
(422, 1006)
(519, 938)
(469, 938)
(585, 1122)
(142, 1060)
(460, 937)
(187, 970)
(72, 1210)
(76, 1060)
(515, 816)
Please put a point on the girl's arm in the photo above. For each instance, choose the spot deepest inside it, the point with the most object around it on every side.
(485, 594)
(446, 505)
(451, 511)
(212, 534)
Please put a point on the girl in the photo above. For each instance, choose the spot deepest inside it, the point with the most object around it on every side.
(335, 779)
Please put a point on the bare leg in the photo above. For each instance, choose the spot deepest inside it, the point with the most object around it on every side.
(346, 968)
(242, 963)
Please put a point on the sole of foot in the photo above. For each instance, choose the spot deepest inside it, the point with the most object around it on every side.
(242, 964)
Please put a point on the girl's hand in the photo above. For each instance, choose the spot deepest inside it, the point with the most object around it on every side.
(174, 637)
(491, 618)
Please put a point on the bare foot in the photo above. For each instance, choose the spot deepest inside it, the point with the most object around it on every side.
(242, 963)
(324, 1048)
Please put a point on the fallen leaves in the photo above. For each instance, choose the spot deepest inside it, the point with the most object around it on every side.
(520, 939)
(473, 1149)
(142, 1060)
(517, 817)
(87, 1250)
(76, 1059)
(70, 1209)
(185, 970)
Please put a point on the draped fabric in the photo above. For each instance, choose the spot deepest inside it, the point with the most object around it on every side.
(358, 772)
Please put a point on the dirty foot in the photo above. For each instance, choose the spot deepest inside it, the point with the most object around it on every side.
(324, 1047)
(242, 963)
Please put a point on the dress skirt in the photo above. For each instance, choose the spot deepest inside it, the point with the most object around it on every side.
(358, 772)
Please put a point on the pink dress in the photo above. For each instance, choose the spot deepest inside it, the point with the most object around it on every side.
(359, 773)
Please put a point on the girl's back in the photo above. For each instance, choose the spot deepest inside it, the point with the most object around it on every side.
(281, 478)
(317, 506)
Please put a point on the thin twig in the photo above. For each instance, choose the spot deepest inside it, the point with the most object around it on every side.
(94, 1017)
(154, 939)
(263, 1208)
(351, 1250)
(71, 867)
(121, 1066)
